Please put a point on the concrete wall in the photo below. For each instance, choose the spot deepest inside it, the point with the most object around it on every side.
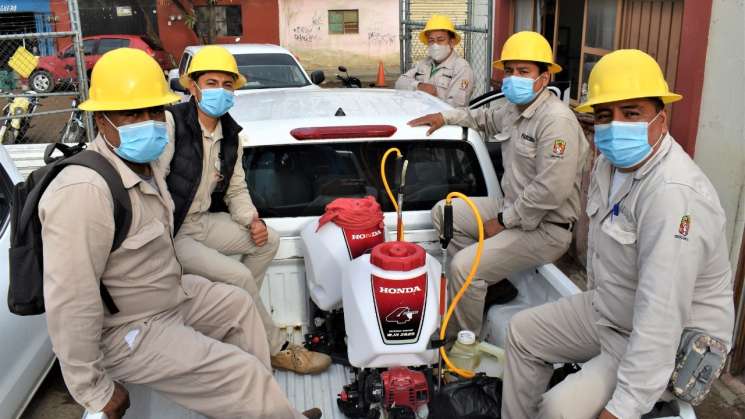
(304, 30)
(720, 143)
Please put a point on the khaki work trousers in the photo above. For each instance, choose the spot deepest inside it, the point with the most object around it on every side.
(510, 251)
(203, 355)
(204, 245)
(563, 331)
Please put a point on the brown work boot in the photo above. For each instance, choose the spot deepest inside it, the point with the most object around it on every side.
(297, 359)
(314, 413)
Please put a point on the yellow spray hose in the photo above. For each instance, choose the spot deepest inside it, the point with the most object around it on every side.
(474, 266)
(382, 174)
(399, 231)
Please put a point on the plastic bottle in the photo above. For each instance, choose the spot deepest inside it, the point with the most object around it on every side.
(465, 353)
(492, 360)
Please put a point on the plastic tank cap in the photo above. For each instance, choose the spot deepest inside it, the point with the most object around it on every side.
(466, 337)
(398, 256)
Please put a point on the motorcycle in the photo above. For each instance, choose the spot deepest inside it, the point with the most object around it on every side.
(74, 129)
(13, 129)
(348, 81)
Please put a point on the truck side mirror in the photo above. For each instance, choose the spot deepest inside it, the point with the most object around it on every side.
(317, 77)
(176, 86)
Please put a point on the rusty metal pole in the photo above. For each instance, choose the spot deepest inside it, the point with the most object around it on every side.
(77, 40)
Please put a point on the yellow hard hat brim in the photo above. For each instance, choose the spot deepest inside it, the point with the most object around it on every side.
(587, 107)
(240, 80)
(425, 40)
(95, 105)
(553, 68)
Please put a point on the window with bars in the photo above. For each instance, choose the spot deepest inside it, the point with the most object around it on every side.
(344, 21)
(228, 20)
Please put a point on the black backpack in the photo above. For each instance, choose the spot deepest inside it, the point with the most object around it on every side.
(26, 257)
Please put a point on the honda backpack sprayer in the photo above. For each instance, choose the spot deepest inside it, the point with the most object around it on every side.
(394, 301)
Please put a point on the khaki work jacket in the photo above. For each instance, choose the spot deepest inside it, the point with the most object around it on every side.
(143, 275)
(543, 150)
(453, 79)
(242, 209)
(658, 263)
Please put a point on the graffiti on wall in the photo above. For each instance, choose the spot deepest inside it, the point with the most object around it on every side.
(380, 39)
(310, 32)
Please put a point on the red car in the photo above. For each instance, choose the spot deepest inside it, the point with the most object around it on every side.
(56, 70)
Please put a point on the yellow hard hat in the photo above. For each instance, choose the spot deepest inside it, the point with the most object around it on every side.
(127, 78)
(438, 23)
(626, 74)
(213, 58)
(527, 46)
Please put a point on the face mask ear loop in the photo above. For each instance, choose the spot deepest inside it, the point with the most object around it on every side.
(662, 135)
(106, 140)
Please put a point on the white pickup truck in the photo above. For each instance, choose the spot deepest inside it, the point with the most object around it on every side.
(293, 174)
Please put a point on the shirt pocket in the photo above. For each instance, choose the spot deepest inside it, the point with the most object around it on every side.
(443, 81)
(524, 147)
(618, 231)
(146, 234)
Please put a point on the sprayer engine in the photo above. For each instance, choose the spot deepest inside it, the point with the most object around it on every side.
(400, 392)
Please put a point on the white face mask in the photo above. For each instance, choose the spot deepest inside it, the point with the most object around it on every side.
(438, 52)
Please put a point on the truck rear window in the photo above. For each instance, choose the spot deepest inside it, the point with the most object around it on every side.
(299, 180)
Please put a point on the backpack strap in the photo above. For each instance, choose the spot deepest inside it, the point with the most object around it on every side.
(66, 150)
(122, 203)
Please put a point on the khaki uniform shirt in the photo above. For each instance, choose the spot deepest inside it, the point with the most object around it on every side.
(543, 150)
(453, 79)
(242, 209)
(658, 262)
(143, 275)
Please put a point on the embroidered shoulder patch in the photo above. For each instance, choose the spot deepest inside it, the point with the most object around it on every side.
(684, 227)
(464, 84)
(560, 146)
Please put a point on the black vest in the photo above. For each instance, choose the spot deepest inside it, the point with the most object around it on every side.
(186, 165)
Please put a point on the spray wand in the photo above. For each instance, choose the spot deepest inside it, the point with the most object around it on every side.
(447, 235)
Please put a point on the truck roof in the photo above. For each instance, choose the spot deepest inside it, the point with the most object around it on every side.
(268, 117)
(245, 49)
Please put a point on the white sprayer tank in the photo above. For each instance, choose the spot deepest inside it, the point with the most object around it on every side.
(391, 302)
(348, 228)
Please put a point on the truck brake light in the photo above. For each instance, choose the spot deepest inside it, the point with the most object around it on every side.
(343, 131)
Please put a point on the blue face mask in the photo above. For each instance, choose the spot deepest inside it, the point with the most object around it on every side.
(141, 142)
(216, 102)
(518, 90)
(624, 144)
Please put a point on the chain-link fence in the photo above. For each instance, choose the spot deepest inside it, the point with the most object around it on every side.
(43, 75)
(473, 20)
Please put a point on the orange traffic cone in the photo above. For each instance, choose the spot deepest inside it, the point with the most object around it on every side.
(381, 75)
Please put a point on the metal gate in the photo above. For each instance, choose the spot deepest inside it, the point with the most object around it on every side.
(472, 18)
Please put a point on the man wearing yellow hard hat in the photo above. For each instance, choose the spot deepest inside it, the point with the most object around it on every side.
(214, 215)
(443, 73)
(181, 335)
(659, 276)
(543, 150)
